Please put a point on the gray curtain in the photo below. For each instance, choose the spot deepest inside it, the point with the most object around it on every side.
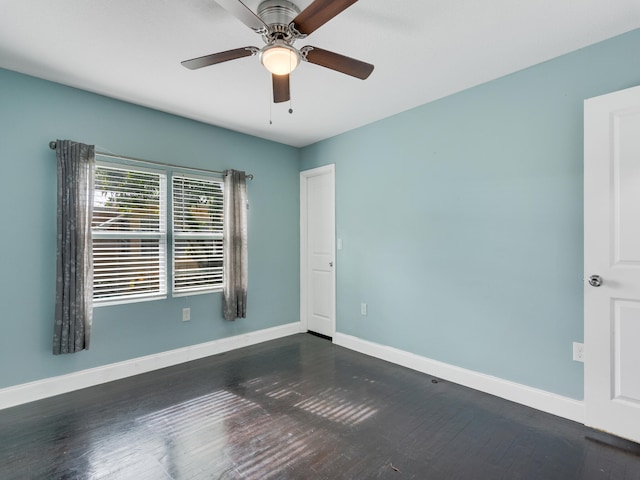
(74, 260)
(234, 301)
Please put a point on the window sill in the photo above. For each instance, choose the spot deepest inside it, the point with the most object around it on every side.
(196, 292)
(122, 301)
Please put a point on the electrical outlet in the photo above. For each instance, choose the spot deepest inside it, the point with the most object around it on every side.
(578, 352)
(363, 309)
(186, 314)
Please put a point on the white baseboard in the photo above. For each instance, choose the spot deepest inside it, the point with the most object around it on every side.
(48, 387)
(532, 397)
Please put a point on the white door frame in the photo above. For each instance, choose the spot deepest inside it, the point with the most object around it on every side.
(304, 294)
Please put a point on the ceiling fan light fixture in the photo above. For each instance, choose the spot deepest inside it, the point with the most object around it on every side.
(280, 58)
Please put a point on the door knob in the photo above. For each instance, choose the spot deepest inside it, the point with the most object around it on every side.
(595, 280)
(331, 264)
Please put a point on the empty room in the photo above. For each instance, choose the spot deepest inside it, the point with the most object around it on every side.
(320, 239)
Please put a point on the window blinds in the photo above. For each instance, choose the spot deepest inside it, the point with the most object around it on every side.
(197, 233)
(129, 233)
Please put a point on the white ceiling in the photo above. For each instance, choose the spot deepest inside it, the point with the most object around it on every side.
(422, 50)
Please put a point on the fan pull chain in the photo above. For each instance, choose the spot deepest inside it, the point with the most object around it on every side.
(290, 101)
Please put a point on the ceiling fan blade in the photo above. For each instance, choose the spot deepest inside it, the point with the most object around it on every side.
(281, 88)
(337, 62)
(319, 13)
(243, 13)
(219, 57)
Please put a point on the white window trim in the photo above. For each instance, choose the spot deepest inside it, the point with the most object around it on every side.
(161, 235)
(193, 235)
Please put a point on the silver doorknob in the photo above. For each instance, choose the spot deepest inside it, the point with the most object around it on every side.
(595, 280)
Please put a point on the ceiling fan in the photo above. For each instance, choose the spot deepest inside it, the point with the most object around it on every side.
(281, 23)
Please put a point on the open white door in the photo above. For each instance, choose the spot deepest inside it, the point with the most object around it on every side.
(317, 250)
(612, 263)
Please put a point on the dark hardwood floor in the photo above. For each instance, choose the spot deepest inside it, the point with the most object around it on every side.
(298, 408)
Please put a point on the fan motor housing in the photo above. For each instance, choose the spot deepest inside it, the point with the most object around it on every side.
(277, 12)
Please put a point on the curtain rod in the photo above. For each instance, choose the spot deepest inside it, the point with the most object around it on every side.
(53, 146)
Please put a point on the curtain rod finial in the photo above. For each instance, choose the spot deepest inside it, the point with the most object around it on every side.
(53, 144)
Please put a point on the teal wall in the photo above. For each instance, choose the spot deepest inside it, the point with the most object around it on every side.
(33, 112)
(462, 220)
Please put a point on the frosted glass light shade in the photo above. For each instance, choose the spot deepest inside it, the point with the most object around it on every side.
(280, 59)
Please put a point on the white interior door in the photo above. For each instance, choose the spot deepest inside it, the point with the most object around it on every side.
(612, 258)
(317, 248)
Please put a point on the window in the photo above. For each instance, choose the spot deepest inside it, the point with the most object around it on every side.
(129, 228)
(197, 234)
(129, 233)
